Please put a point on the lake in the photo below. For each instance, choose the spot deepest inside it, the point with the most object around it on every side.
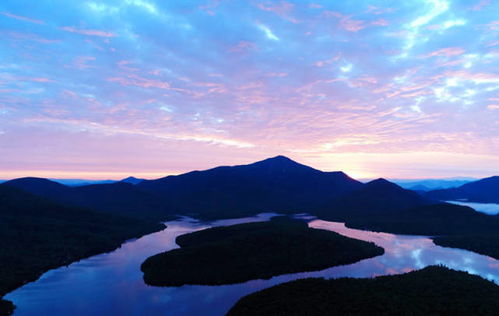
(111, 283)
(487, 208)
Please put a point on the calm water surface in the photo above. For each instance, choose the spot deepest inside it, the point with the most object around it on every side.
(111, 284)
(487, 208)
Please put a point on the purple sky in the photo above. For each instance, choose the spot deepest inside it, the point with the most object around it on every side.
(107, 89)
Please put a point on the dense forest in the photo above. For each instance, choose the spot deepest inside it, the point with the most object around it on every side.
(37, 235)
(433, 290)
(238, 253)
(451, 225)
(482, 243)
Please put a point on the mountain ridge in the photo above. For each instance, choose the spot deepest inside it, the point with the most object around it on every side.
(485, 190)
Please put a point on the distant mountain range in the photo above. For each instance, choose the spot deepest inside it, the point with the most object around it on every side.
(482, 191)
(82, 182)
(431, 184)
(276, 184)
(118, 198)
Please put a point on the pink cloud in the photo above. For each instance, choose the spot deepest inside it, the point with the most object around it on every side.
(480, 5)
(30, 37)
(352, 25)
(212, 87)
(380, 22)
(377, 10)
(209, 8)
(276, 74)
(315, 6)
(123, 64)
(493, 26)
(346, 22)
(242, 46)
(41, 79)
(479, 77)
(282, 9)
(87, 32)
(448, 52)
(22, 18)
(80, 62)
(322, 63)
(137, 81)
(330, 14)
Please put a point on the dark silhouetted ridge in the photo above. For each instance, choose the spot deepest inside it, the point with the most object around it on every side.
(39, 186)
(118, 197)
(274, 184)
(375, 198)
(485, 191)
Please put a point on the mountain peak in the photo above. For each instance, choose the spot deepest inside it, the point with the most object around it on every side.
(132, 180)
(280, 162)
(382, 183)
(32, 181)
(280, 158)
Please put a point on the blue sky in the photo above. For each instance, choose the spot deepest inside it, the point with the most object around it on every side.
(104, 89)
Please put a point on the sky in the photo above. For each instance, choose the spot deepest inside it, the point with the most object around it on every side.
(108, 89)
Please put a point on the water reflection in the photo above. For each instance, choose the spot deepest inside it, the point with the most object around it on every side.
(487, 208)
(112, 283)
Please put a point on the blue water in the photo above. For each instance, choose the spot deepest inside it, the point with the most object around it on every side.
(111, 284)
(487, 208)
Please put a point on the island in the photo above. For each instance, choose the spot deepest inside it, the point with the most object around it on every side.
(238, 253)
(434, 290)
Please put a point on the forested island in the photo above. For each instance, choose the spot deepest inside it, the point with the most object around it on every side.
(434, 290)
(238, 253)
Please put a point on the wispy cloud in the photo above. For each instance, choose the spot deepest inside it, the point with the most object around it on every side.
(88, 32)
(268, 32)
(22, 18)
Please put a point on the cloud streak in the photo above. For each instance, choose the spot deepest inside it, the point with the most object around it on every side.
(88, 32)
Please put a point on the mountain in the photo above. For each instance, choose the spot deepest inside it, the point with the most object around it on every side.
(275, 184)
(419, 188)
(41, 187)
(37, 234)
(132, 180)
(375, 198)
(431, 184)
(482, 191)
(119, 197)
(80, 182)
